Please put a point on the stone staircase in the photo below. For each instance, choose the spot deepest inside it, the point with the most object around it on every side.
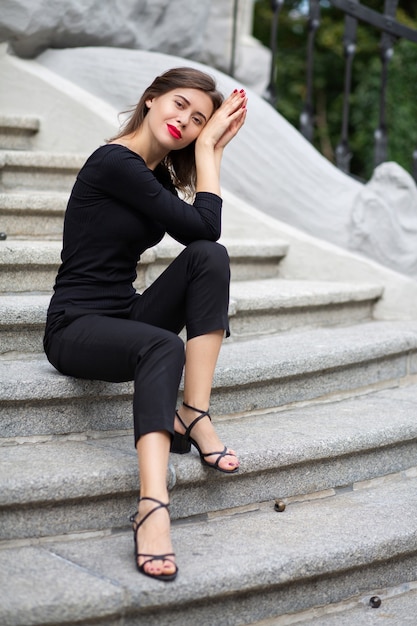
(318, 398)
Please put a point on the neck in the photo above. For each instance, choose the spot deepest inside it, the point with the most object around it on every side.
(140, 143)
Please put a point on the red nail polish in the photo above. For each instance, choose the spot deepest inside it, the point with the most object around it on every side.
(234, 90)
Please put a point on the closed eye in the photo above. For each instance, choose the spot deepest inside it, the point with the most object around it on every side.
(181, 102)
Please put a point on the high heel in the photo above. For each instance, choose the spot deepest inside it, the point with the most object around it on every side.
(151, 557)
(181, 444)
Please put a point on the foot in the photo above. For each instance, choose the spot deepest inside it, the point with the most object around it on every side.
(206, 437)
(153, 538)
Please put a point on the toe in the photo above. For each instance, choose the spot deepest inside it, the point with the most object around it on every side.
(229, 461)
(169, 567)
(154, 568)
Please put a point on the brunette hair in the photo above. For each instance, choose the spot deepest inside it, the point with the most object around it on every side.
(179, 163)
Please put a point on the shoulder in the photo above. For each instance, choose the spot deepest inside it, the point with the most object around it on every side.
(113, 161)
(114, 152)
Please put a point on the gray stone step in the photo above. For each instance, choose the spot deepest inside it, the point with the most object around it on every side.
(29, 215)
(250, 258)
(17, 131)
(27, 266)
(254, 374)
(256, 307)
(39, 214)
(234, 568)
(29, 170)
(273, 305)
(22, 323)
(398, 606)
(88, 483)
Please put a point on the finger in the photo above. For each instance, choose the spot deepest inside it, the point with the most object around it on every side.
(235, 99)
(237, 114)
(236, 105)
(239, 93)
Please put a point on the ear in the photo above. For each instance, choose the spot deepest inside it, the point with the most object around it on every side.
(149, 102)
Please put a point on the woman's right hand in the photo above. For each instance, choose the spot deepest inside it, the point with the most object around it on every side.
(225, 123)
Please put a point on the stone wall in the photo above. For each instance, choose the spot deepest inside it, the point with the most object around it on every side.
(200, 31)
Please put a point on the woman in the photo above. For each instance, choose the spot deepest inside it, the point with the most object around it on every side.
(124, 201)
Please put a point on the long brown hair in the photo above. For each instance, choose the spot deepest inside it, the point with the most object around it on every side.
(179, 163)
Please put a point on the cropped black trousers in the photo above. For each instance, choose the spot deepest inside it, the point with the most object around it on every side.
(143, 345)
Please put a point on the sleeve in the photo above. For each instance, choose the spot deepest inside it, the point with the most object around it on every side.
(124, 175)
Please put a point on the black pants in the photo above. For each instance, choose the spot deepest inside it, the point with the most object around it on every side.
(144, 346)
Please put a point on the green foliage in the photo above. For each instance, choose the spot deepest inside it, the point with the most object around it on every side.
(329, 76)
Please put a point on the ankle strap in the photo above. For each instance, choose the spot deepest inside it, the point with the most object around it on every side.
(161, 505)
(196, 410)
(197, 419)
(153, 500)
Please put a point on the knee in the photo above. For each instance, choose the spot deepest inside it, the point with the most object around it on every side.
(171, 357)
(171, 347)
(212, 255)
(176, 346)
(163, 350)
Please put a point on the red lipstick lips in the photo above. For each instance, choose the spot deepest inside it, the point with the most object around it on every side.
(174, 131)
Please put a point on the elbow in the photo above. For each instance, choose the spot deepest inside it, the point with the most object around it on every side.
(215, 235)
(214, 230)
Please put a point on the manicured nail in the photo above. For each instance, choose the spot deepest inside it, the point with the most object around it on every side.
(234, 90)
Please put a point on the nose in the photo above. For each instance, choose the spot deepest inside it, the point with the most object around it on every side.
(182, 119)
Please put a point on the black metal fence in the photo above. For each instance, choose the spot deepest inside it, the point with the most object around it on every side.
(352, 12)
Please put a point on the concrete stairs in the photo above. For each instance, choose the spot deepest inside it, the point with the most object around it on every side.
(317, 396)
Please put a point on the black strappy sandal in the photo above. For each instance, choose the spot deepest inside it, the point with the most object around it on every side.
(151, 557)
(181, 444)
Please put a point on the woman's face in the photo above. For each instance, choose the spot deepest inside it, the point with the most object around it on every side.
(177, 117)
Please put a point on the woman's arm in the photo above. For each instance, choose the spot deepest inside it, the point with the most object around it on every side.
(122, 175)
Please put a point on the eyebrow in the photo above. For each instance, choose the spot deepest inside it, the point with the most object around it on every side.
(178, 95)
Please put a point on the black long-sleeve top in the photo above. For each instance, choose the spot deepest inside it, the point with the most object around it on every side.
(117, 209)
